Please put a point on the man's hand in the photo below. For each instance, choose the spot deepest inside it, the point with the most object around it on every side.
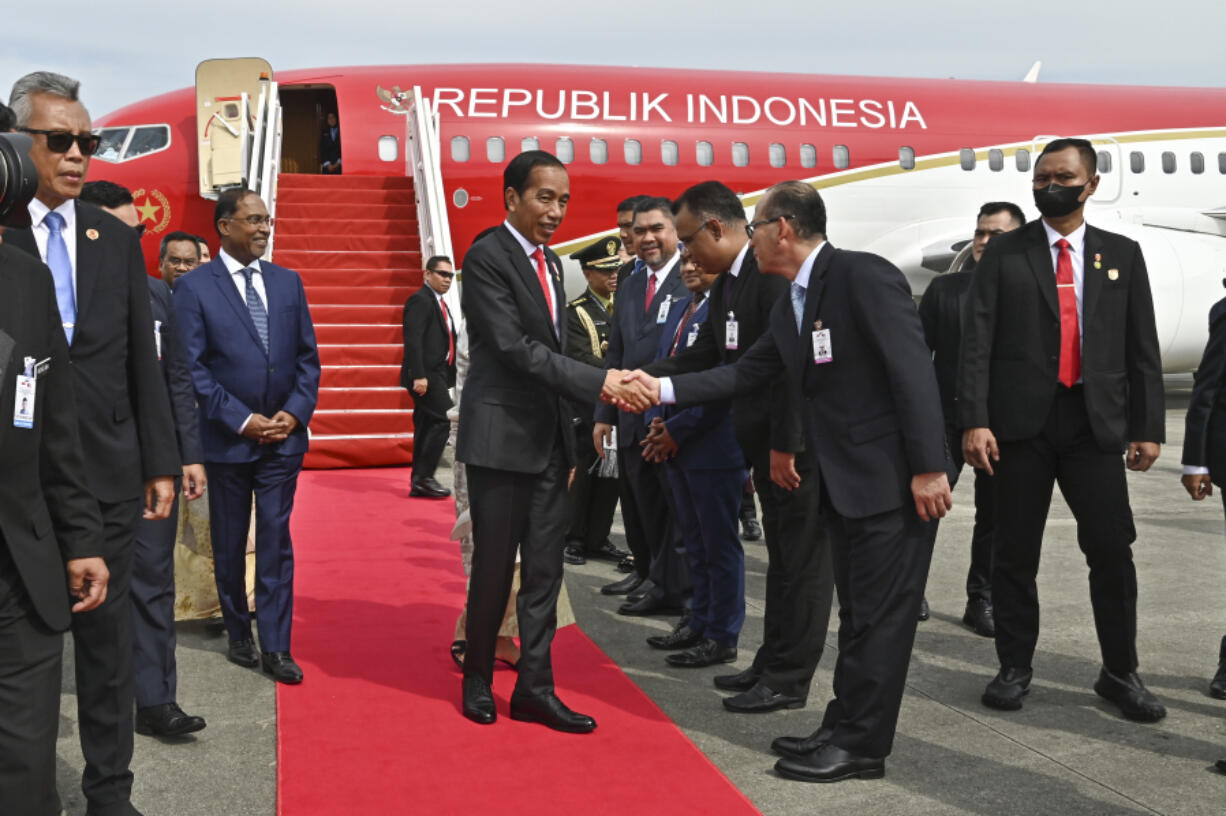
(621, 390)
(783, 470)
(159, 496)
(1197, 485)
(87, 580)
(1142, 454)
(933, 498)
(283, 424)
(979, 448)
(420, 385)
(644, 386)
(194, 481)
(602, 434)
(260, 428)
(659, 446)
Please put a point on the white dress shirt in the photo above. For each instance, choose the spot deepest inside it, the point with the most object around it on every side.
(38, 212)
(735, 269)
(530, 248)
(240, 280)
(1077, 251)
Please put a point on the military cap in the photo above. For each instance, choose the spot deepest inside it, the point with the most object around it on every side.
(601, 254)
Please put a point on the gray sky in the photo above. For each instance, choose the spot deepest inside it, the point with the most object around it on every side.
(134, 49)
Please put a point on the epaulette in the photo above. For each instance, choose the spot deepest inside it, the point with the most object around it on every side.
(579, 301)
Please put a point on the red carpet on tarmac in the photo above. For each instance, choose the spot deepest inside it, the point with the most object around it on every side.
(376, 726)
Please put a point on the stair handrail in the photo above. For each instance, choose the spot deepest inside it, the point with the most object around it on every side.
(423, 155)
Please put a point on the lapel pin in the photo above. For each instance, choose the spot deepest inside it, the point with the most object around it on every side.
(817, 326)
(1098, 260)
(1113, 274)
(91, 234)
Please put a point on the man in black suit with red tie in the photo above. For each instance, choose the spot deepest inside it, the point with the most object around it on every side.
(516, 440)
(1060, 374)
(428, 371)
(127, 434)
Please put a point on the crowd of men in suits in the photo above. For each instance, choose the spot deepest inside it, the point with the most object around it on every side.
(126, 394)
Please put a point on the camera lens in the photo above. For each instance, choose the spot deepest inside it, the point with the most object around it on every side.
(18, 179)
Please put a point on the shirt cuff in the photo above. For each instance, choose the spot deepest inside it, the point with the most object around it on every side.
(243, 427)
(667, 397)
(1194, 470)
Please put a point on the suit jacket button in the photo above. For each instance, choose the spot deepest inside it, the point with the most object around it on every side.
(272, 370)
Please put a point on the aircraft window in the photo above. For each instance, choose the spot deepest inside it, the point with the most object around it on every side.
(1197, 162)
(633, 151)
(111, 148)
(389, 148)
(740, 154)
(996, 160)
(147, 140)
(459, 148)
(1104, 161)
(1022, 157)
(669, 153)
(1168, 162)
(565, 150)
(1221, 163)
(906, 158)
(705, 154)
(495, 149)
(778, 155)
(842, 157)
(598, 151)
(529, 143)
(967, 157)
(1136, 161)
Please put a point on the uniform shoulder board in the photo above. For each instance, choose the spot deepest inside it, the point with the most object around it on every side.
(579, 301)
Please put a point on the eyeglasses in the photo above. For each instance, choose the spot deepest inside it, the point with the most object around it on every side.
(751, 228)
(60, 141)
(695, 233)
(255, 220)
(443, 273)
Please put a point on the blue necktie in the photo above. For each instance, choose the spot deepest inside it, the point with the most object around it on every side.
(259, 315)
(798, 303)
(61, 271)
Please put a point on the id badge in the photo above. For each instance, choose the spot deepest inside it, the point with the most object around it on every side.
(731, 333)
(157, 336)
(23, 402)
(662, 315)
(822, 353)
(693, 335)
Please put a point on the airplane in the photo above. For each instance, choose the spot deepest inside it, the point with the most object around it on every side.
(903, 164)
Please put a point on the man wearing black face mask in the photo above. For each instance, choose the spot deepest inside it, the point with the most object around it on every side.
(1053, 388)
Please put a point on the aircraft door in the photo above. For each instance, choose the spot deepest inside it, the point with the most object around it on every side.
(1110, 173)
(226, 94)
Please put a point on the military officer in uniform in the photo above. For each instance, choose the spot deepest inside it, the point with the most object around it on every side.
(593, 499)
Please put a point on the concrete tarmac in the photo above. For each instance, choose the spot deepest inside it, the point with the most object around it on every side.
(1065, 752)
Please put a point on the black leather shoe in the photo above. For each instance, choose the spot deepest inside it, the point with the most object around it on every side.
(1007, 689)
(625, 585)
(741, 681)
(282, 667)
(751, 530)
(640, 591)
(166, 720)
(1217, 688)
(924, 612)
(800, 747)
(830, 763)
(550, 712)
(978, 617)
(478, 699)
(243, 653)
(651, 604)
(428, 488)
(1128, 693)
(760, 699)
(605, 551)
(705, 653)
(1220, 765)
(573, 555)
(626, 564)
(682, 637)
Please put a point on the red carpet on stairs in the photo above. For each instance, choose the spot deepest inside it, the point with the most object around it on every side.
(376, 726)
(354, 241)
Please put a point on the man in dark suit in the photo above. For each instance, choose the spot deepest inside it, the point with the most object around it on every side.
(644, 304)
(48, 522)
(153, 569)
(127, 433)
(1204, 440)
(428, 371)
(1060, 373)
(515, 439)
(250, 344)
(799, 581)
(330, 146)
(941, 310)
(850, 342)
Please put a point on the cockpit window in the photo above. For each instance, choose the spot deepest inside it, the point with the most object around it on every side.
(120, 144)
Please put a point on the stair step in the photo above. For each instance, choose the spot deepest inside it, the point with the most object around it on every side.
(299, 259)
(360, 451)
(361, 354)
(361, 421)
(321, 195)
(357, 313)
(287, 241)
(296, 181)
(359, 376)
(338, 333)
(354, 295)
(352, 226)
(329, 214)
(386, 397)
(412, 278)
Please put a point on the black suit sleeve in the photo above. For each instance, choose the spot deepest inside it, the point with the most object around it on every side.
(179, 381)
(930, 313)
(978, 334)
(701, 355)
(414, 330)
(787, 430)
(1142, 360)
(756, 368)
(1206, 386)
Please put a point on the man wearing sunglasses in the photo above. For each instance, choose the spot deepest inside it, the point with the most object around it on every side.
(128, 438)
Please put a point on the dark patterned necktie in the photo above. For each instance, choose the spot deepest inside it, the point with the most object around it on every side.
(259, 315)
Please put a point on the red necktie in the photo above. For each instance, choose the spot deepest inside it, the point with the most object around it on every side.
(651, 290)
(543, 277)
(1070, 334)
(450, 333)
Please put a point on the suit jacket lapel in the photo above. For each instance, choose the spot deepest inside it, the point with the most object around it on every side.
(86, 261)
(813, 297)
(229, 293)
(1091, 278)
(527, 273)
(1039, 256)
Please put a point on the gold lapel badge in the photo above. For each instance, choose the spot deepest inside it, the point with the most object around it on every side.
(91, 234)
(1113, 274)
(1098, 261)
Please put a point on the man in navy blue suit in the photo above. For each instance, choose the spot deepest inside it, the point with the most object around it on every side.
(706, 471)
(250, 343)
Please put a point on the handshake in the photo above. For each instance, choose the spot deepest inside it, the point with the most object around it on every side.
(632, 391)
